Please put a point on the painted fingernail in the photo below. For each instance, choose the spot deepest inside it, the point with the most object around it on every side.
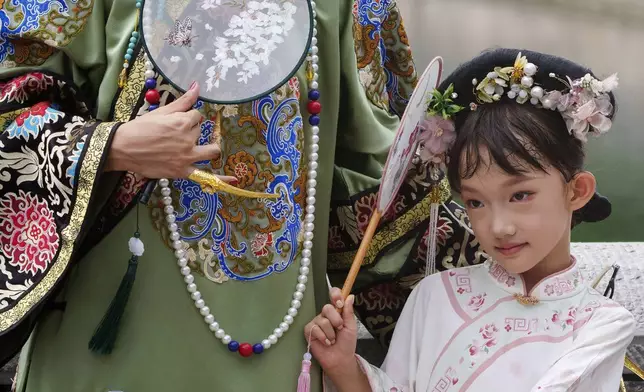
(194, 83)
(328, 342)
(339, 303)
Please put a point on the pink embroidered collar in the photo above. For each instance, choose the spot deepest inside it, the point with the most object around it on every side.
(562, 284)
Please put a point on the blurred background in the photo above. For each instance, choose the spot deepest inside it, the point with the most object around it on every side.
(605, 35)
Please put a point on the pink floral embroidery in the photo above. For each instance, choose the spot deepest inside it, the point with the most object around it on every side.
(489, 331)
(510, 281)
(508, 327)
(27, 232)
(260, 244)
(476, 302)
(555, 317)
(474, 349)
(549, 290)
(572, 315)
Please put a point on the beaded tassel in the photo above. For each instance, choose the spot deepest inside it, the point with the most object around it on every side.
(134, 38)
(104, 338)
(304, 381)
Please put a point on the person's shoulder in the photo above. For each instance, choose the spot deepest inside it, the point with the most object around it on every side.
(606, 310)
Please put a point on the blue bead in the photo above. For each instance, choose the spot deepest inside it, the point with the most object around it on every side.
(153, 107)
(131, 45)
(133, 40)
(314, 95)
(150, 84)
(128, 57)
(138, 4)
(135, 34)
(130, 51)
(258, 348)
(233, 346)
(314, 120)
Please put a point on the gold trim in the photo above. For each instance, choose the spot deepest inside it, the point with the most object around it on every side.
(129, 95)
(394, 230)
(86, 179)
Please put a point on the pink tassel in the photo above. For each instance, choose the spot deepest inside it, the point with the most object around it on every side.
(304, 381)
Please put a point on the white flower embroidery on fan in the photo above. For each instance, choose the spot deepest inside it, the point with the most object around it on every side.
(251, 37)
(209, 4)
(175, 59)
(199, 56)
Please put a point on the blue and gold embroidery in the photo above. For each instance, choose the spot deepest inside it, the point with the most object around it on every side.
(228, 238)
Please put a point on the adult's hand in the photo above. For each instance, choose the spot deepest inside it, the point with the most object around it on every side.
(163, 143)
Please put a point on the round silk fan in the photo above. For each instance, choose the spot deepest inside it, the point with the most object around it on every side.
(237, 50)
(400, 156)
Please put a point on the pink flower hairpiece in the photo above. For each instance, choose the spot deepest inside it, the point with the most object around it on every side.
(585, 105)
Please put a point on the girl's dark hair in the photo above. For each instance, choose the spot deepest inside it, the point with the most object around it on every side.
(516, 136)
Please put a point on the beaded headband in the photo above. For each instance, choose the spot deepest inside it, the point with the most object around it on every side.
(584, 104)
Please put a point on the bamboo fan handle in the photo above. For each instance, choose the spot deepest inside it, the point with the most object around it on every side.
(362, 251)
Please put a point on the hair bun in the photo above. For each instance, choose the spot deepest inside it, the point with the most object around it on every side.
(596, 210)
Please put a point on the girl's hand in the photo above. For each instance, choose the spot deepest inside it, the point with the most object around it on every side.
(163, 143)
(334, 338)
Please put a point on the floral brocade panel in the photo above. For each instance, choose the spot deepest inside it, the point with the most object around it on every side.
(386, 68)
(32, 30)
(231, 238)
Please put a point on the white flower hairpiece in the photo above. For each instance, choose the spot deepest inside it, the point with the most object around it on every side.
(585, 105)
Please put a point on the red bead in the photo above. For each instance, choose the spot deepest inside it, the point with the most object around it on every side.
(152, 96)
(314, 107)
(245, 350)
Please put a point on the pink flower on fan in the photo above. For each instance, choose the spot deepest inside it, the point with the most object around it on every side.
(436, 138)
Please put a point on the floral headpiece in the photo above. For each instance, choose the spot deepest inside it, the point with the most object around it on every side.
(584, 104)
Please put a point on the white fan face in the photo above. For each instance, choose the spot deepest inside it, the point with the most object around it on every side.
(404, 146)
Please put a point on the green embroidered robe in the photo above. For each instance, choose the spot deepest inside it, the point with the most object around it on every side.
(64, 223)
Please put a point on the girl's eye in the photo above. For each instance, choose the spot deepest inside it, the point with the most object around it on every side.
(473, 204)
(522, 196)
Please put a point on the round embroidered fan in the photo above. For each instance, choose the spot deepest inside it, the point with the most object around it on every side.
(237, 50)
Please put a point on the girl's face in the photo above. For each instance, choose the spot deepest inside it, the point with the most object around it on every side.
(518, 220)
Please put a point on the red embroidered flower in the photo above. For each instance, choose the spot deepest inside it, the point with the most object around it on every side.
(474, 349)
(572, 315)
(260, 244)
(555, 317)
(294, 84)
(476, 302)
(508, 327)
(27, 232)
(490, 343)
(489, 331)
(38, 109)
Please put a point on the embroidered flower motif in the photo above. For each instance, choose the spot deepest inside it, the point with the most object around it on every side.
(476, 302)
(241, 165)
(549, 290)
(489, 331)
(555, 317)
(508, 328)
(460, 290)
(27, 232)
(510, 281)
(260, 244)
(572, 315)
(474, 349)
(31, 121)
(20, 88)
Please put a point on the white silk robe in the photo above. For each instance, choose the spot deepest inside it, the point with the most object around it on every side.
(466, 330)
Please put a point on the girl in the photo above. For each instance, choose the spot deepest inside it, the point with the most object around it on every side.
(510, 127)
